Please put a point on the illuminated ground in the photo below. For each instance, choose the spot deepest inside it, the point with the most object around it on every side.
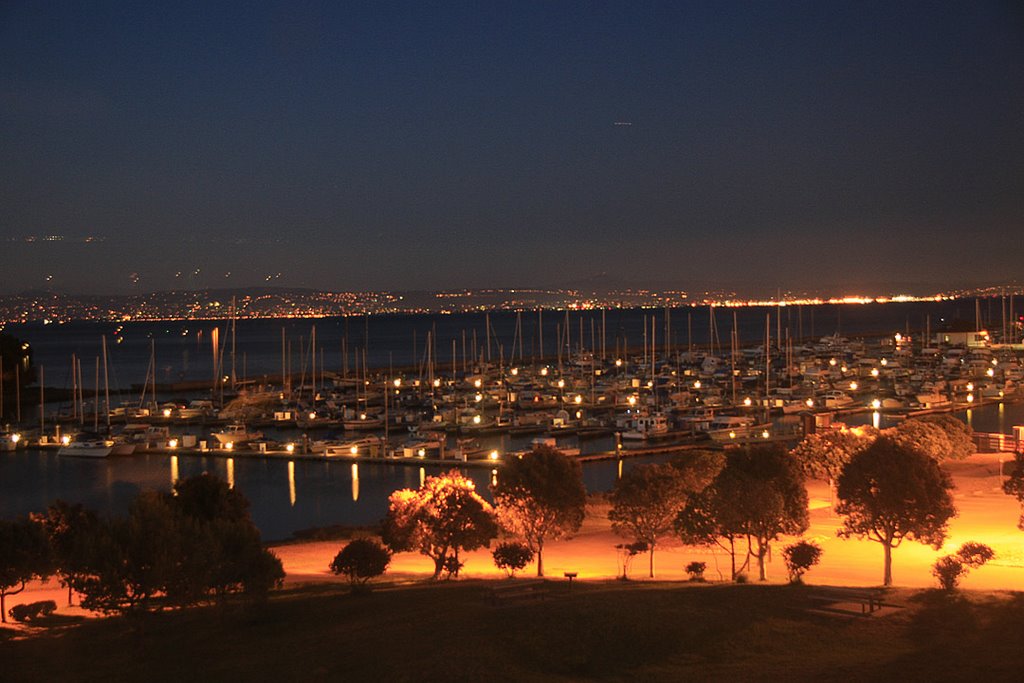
(986, 515)
(603, 629)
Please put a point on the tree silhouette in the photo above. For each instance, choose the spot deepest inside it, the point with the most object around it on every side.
(889, 492)
(648, 498)
(24, 556)
(540, 497)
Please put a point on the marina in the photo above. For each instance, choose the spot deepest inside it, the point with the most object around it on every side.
(317, 443)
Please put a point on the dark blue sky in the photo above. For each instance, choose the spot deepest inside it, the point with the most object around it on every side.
(430, 145)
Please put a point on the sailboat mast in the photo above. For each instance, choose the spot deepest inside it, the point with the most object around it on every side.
(106, 382)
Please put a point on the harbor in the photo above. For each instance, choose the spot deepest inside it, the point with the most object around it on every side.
(320, 442)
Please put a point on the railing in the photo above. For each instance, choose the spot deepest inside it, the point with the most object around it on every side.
(996, 443)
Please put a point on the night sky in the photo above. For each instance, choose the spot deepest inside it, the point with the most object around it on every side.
(440, 145)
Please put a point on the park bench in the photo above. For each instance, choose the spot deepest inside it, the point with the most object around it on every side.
(833, 600)
(518, 591)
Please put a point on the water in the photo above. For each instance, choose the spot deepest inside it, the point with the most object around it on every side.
(304, 494)
(286, 496)
(184, 349)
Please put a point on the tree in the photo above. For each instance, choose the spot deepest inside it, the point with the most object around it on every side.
(1014, 485)
(628, 551)
(130, 560)
(225, 550)
(178, 548)
(512, 557)
(540, 497)
(24, 556)
(929, 438)
(949, 568)
(889, 492)
(69, 527)
(707, 520)
(361, 560)
(959, 433)
(648, 498)
(823, 454)
(764, 489)
(800, 557)
(442, 517)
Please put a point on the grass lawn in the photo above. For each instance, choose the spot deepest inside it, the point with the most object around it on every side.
(642, 631)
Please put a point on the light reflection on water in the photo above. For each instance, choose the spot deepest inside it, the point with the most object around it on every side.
(286, 495)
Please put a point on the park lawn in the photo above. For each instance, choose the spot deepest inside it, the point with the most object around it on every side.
(637, 631)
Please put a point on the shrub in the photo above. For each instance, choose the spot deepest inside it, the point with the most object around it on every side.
(32, 610)
(741, 578)
(452, 566)
(696, 570)
(627, 552)
(948, 569)
(800, 557)
(511, 557)
(361, 560)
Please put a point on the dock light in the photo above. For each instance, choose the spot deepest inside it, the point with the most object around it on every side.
(832, 362)
(747, 402)
(696, 385)
(990, 372)
(885, 361)
(230, 445)
(631, 400)
(618, 362)
(398, 382)
(312, 415)
(650, 383)
(478, 397)
(1000, 396)
(561, 383)
(477, 383)
(476, 419)
(853, 386)
(765, 434)
(876, 404)
(579, 414)
(970, 398)
(65, 440)
(362, 416)
(515, 371)
(544, 372)
(493, 455)
(732, 435)
(15, 438)
(809, 403)
(970, 386)
(437, 382)
(898, 337)
(173, 443)
(874, 372)
(421, 452)
(578, 399)
(995, 362)
(167, 412)
(290, 448)
(843, 369)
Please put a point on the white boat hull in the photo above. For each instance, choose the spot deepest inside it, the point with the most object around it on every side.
(83, 450)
